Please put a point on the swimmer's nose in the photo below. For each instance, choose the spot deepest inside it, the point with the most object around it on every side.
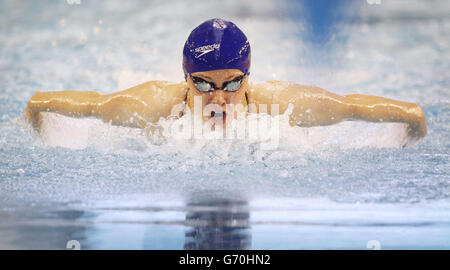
(219, 98)
(219, 103)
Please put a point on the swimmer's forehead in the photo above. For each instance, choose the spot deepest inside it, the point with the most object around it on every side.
(220, 74)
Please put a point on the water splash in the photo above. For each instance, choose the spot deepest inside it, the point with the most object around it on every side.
(169, 134)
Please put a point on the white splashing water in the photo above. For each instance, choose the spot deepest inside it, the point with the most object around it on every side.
(58, 130)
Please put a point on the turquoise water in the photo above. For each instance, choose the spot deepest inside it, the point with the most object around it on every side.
(335, 187)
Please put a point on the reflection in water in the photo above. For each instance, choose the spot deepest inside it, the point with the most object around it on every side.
(209, 224)
(217, 224)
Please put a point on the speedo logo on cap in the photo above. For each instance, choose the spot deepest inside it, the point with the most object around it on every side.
(206, 49)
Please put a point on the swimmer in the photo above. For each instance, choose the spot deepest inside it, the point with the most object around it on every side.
(216, 64)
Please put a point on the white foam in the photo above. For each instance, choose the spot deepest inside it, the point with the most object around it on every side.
(58, 130)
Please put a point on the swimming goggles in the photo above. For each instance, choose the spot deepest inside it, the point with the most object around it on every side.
(205, 86)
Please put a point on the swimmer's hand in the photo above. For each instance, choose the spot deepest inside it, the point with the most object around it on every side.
(34, 119)
(417, 126)
(379, 109)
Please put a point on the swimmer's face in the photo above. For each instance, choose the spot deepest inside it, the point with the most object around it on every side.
(215, 102)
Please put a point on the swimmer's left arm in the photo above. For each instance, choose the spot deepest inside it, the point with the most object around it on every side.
(314, 106)
(380, 109)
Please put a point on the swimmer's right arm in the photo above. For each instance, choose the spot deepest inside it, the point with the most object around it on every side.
(135, 107)
(69, 103)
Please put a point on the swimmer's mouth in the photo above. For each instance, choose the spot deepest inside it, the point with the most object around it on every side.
(218, 116)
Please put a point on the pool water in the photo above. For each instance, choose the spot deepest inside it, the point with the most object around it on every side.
(347, 186)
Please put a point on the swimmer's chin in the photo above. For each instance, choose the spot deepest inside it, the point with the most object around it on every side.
(218, 120)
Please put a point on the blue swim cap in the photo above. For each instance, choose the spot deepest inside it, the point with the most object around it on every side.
(216, 44)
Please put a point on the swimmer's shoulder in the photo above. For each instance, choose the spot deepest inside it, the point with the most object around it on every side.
(274, 87)
(158, 90)
(265, 92)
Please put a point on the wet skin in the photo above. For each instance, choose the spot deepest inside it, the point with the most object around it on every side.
(146, 103)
